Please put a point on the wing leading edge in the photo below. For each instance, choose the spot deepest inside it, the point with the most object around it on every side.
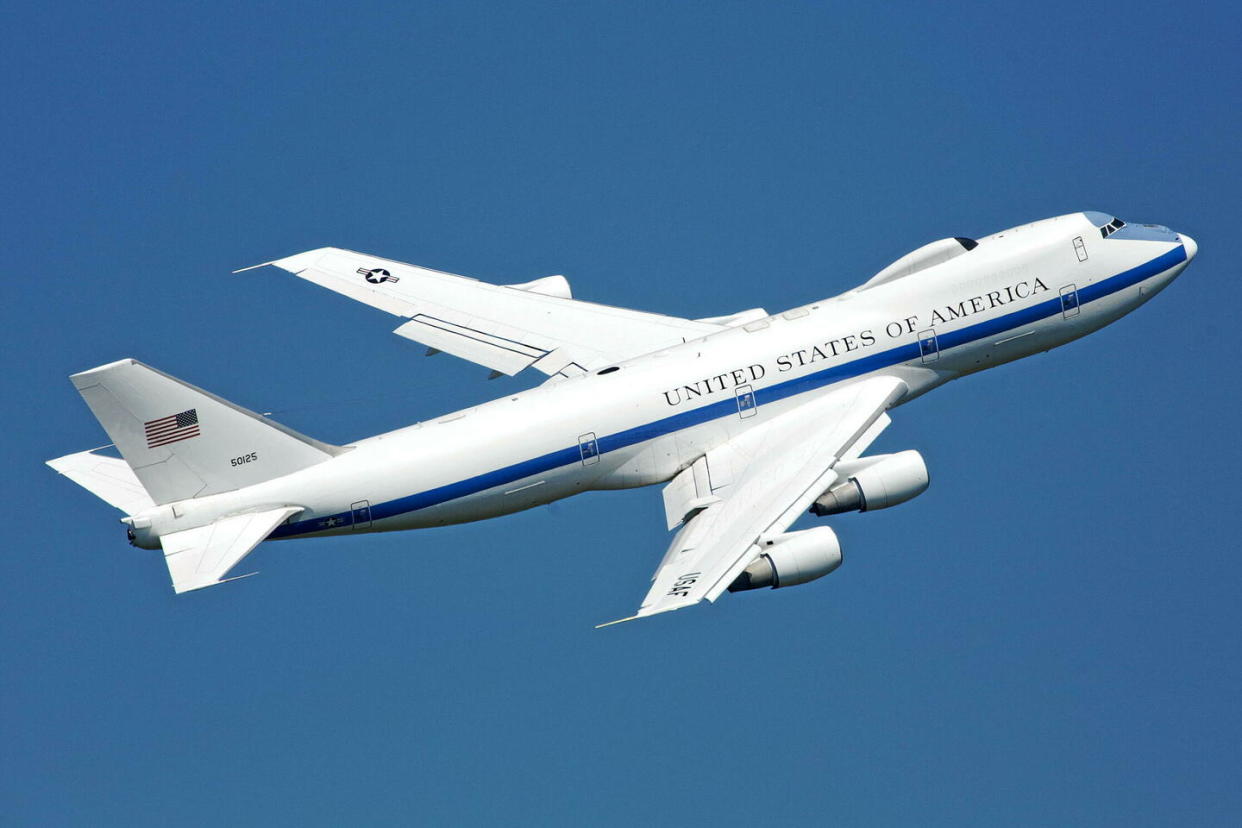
(778, 469)
(506, 328)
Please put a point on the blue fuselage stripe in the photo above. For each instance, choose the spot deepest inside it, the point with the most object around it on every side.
(728, 406)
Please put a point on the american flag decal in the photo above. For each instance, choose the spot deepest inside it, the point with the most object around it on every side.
(172, 428)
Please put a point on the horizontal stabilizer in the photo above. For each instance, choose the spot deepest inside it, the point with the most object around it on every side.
(201, 557)
(108, 478)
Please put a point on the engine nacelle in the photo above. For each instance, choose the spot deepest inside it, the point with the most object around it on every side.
(875, 483)
(927, 256)
(557, 286)
(791, 559)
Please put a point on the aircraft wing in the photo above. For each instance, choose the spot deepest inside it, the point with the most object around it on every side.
(504, 327)
(200, 557)
(755, 486)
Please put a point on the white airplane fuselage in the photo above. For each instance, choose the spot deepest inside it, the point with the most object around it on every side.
(1019, 292)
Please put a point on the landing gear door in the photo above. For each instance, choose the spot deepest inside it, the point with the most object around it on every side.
(929, 348)
(361, 514)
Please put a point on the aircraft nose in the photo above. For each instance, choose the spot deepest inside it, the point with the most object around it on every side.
(1191, 246)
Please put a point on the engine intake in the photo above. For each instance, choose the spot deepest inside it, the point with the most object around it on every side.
(875, 483)
(791, 559)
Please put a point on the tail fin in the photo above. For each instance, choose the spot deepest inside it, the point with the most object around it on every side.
(184, 442)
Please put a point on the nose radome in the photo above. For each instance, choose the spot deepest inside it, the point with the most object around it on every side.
(1191, 246)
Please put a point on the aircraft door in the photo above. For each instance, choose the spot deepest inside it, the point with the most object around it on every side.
(929, 348)
(1080, 249)
(747, 405)
(360, 512)
(588, 448)
(1069, 301)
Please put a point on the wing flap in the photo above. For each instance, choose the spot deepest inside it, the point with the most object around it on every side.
(200, 557)
(688, 494)
(485, 344)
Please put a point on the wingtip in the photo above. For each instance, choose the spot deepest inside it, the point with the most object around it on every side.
(295, 263)
(618, 621)
(647, 613)
(252, 267)
(191, 586)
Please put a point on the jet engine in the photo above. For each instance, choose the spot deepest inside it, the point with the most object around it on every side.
(875, 483)
(792, 558)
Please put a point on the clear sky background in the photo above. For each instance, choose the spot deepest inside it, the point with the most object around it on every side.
(1048, 636)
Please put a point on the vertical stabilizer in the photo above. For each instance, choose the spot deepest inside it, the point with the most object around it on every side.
(183, 442)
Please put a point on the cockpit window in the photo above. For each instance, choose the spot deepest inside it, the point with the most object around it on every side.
(1112, 227)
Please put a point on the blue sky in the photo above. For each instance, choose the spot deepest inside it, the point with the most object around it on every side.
(1047, 636)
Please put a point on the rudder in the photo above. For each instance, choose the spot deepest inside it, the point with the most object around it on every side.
(184, 442)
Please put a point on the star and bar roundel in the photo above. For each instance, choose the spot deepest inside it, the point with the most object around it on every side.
(171, 429)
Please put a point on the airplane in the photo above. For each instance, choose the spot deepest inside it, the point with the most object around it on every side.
(748, 420)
